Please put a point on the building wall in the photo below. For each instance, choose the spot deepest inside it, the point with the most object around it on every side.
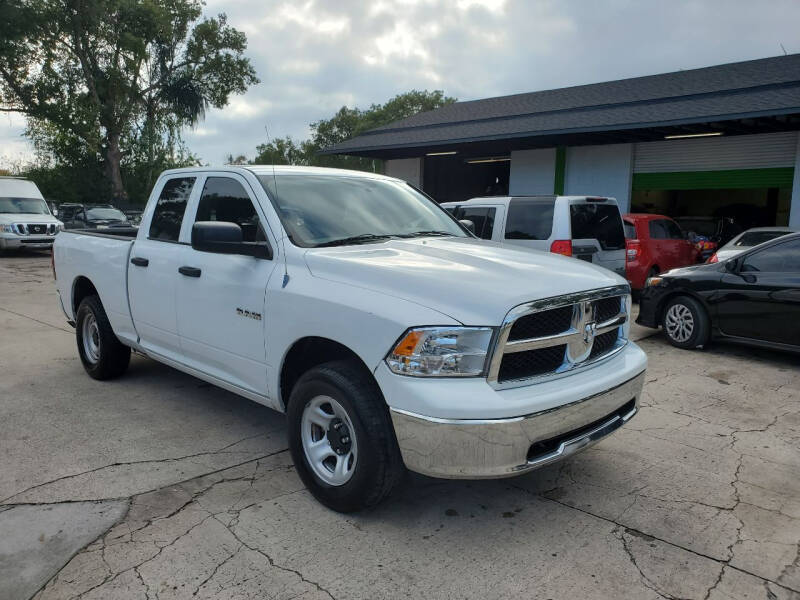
(600, 171)
(532, 172)
(408, 169)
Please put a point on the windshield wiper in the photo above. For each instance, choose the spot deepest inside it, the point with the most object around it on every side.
(354, 239)
(424, 233)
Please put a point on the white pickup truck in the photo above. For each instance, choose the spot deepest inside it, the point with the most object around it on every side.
(389, 334)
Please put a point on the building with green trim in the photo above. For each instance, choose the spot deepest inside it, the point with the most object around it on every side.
(720, 141)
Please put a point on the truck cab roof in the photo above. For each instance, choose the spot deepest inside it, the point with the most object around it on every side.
(504, 200)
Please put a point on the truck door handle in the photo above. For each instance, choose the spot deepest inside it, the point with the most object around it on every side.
(189, 271)
(139, 261)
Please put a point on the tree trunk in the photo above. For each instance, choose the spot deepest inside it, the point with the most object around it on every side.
(113, 173)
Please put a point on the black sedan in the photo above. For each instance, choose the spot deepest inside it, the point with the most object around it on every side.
(752, 298)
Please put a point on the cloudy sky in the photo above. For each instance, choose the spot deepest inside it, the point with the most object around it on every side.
(314, 56)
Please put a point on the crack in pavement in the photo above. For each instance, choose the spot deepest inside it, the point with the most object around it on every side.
(8, 500)
(70, 331)
(673, 544)
(276, 565)
(646, 581)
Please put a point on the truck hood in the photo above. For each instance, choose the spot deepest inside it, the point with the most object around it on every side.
(472, 281)
(7, 218)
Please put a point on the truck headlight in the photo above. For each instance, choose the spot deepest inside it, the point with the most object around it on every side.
(441, 352)
(7, 229)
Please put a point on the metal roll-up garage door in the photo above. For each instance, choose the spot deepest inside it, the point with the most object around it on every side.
(744, 161)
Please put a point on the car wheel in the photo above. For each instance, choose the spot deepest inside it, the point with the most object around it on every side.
(685, 323)
(102, 354)
(341, 437)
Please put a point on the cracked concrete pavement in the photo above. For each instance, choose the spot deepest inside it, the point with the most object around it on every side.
(160, 486)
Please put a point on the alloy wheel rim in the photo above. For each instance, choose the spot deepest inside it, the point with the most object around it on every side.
(329, 440)
(679, 322)
(91, 339)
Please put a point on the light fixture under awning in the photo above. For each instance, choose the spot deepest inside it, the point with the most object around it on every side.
(692, 135)
(492, 159)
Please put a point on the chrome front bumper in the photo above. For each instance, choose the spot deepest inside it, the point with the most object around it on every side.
(492, 448)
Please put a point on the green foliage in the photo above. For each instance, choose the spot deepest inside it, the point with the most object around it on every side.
(281, 151)
(345, 124)
(114, 81)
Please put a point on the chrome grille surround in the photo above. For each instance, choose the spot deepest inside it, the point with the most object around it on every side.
(578, 338)
(34, 228)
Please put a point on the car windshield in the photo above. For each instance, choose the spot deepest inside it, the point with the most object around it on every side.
(753, 238)
(30, 206)
(105, 214)
(324, 210)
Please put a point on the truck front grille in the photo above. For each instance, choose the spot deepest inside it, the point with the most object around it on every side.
(556, 335)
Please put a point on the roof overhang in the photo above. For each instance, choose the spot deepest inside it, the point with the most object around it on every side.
(731, 124)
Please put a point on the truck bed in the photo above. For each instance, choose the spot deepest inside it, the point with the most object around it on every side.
(124, 233)
(102, 258)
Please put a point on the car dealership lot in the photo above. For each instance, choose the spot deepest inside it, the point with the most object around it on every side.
(159, 485)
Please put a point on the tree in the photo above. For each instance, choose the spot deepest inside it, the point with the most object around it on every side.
(350, 122)
(282, 151)
(91, 73)
(345, 124)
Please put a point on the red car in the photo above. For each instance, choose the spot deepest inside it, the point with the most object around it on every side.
(654, 244)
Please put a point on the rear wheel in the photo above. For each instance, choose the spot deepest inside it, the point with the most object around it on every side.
(102, 354)
(686, 323)
(341, 437)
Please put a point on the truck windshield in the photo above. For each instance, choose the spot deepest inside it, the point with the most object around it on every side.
(29, 206)
(320, 210)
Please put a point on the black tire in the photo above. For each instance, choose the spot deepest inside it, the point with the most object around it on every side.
(378, 466)
(698, 327)
(112, 356)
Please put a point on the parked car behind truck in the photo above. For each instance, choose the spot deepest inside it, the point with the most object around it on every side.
(751, 298)
(390, 336)
(586, 227)
(654, 243)
(25, 218)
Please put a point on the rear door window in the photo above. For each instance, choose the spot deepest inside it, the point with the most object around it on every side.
(531, 219)
(170, 208)
(224, 199)
(657, 230)
(481, 216)
(595, 221)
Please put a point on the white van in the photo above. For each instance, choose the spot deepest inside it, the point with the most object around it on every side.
(586, 227)
(25, 218)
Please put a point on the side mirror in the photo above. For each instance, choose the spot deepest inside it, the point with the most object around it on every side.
(731, 266)
(468, 224)
(226, 238)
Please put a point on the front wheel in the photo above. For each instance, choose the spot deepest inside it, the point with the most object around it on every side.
(685, 323)
(102, 354)
(341, 437)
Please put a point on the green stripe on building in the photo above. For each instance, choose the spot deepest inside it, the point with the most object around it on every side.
(561, 170)
(707, 180)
